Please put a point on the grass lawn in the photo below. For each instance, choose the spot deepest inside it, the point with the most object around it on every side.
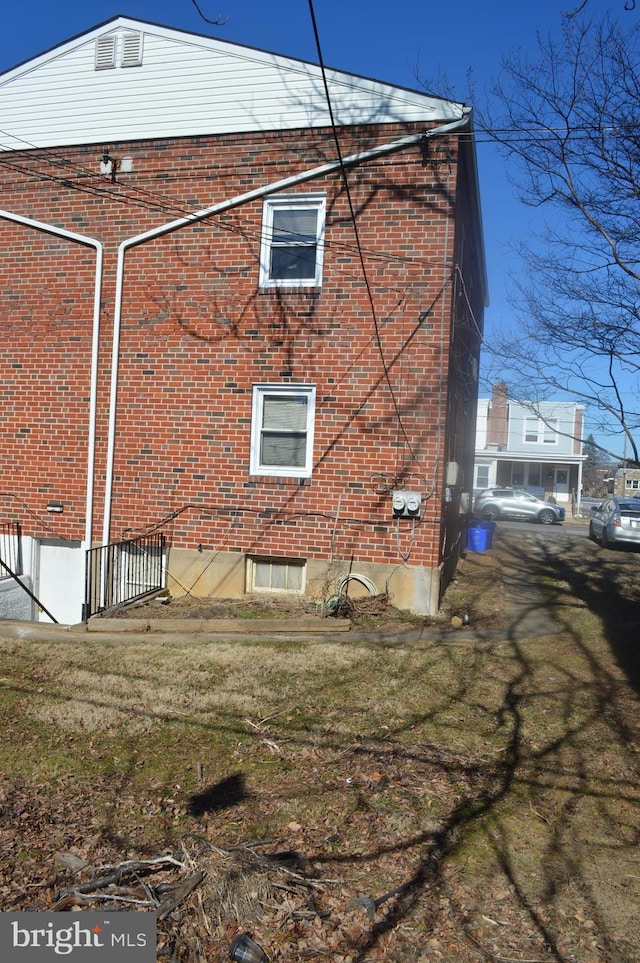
(491, 787)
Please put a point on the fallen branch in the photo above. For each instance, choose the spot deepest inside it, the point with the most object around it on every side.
(113, 897)
(127, 869)
(174, 899)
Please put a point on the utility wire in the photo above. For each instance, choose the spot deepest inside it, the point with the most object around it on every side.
(169, 207)
(347, 188)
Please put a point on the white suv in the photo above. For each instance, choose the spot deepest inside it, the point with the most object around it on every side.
(495, 503)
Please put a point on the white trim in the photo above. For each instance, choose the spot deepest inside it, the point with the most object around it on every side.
(260, 392)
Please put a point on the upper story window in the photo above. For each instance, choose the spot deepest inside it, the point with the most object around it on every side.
(292, 246)
(537, 431)
(282, 430)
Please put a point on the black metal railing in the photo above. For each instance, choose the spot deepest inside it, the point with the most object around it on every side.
(123, 571)
(11, 548)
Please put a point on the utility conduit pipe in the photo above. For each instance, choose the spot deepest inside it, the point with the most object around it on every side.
(95, 342)
(220, 208)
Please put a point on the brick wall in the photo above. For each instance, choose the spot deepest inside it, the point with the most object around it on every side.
(197, 333)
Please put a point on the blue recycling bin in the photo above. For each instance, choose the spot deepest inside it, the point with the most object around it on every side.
(480, 536)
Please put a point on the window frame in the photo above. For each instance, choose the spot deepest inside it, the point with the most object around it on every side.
(254, 561)
(260, 392)
(293, 202)
(480, 469)
(546, 431)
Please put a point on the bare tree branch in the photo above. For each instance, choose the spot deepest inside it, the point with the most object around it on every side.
(218, 22)
(569, 124)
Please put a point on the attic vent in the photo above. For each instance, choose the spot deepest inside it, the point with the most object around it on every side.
(131, 50)
(106, 52)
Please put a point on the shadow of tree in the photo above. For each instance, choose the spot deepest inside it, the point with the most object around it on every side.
(221, 795)
(508, 766)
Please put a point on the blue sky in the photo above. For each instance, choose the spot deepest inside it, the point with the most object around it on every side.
(402, 43)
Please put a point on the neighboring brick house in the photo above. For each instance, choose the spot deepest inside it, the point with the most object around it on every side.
(196, 341)
(537, 448)
(626, 482)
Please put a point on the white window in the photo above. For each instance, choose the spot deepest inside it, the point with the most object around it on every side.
(292, 241)
(632, 483)
(482, 476)
(537, 431)
(550, 431)
(282, 430)
(276, 575)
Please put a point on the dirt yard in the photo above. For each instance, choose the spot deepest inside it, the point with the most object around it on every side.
(345, 800)
(475, 597)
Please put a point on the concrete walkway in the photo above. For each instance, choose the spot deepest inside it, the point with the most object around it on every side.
(527, 615)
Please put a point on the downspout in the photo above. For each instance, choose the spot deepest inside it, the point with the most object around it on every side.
(219, 208)
(95, 340)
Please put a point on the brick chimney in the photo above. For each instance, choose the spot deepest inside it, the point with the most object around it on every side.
(497, 417)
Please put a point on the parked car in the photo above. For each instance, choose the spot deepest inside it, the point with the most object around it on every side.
(616, 521)
(495, 503)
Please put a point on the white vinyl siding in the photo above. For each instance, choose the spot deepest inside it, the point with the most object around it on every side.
(291, 252)
(282, 430)
(187, 85)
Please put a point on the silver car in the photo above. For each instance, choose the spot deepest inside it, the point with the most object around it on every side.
(616, 521)
(495, 503)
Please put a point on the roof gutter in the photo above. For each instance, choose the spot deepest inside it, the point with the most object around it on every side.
(221, 207)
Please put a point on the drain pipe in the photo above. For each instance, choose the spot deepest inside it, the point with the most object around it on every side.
(221, 207)
(95, 341)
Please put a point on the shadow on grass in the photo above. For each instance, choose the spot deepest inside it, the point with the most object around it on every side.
(524, 743)
(563, 768)
(222, 795)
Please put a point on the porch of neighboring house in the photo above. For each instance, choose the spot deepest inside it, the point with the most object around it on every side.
(557, 480)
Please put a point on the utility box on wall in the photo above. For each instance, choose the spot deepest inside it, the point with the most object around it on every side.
(406, 504)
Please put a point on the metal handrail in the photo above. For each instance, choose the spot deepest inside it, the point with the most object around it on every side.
(11, 546)
(121, 572)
